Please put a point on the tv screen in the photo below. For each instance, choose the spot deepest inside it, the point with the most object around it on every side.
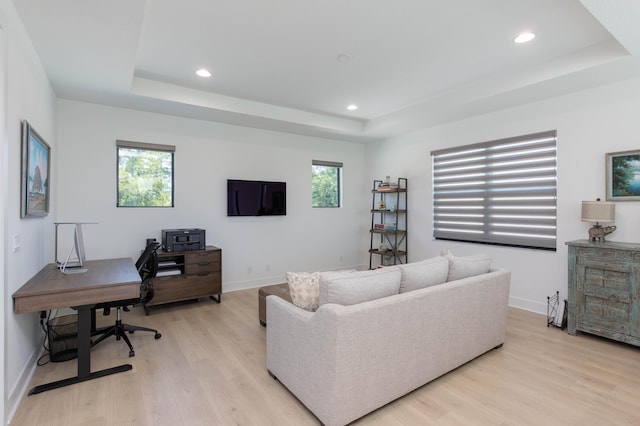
(256, 198)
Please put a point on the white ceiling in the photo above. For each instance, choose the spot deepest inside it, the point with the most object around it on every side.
(413, 63)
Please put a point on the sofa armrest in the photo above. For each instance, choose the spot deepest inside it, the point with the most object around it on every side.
(294, 328)
(301, 349)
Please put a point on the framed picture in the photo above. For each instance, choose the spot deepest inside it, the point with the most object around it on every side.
(623, 176)
(36, 161)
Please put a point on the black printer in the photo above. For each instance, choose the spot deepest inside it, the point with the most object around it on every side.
(183, 239)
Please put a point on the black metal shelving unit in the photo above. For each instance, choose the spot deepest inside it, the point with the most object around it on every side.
(388, 223)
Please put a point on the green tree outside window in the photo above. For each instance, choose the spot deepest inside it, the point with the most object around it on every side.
(325, 184)
(145, 178)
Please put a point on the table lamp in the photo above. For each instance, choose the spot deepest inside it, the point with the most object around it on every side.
(598, 212)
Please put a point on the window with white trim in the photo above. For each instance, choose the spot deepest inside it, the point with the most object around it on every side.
(499, 192)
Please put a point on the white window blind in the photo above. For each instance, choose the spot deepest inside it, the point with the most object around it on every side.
(499, 192)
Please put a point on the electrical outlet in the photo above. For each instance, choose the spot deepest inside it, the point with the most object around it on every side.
(16, 242)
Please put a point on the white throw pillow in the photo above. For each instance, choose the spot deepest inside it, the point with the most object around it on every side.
(304, 288)
(423, 274)
(469, 266)
(357, 287)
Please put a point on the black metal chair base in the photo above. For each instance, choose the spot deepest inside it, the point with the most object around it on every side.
(120, 331)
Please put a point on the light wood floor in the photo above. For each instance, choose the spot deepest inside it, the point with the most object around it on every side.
(209, 369)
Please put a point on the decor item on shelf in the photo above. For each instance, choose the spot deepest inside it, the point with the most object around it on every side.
(383, 247)
(382, 206)
(597, 212)
(387, 185)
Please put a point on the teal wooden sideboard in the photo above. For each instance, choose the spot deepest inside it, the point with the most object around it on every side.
(604, 286)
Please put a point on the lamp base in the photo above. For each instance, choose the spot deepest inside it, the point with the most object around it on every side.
(598, 232)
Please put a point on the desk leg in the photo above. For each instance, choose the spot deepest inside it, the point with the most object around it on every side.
(84, 357)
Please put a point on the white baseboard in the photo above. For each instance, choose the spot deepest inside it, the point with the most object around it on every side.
(528, 305)
(20, 388)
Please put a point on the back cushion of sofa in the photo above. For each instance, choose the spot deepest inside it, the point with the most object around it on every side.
(357, 287)
(423, 274)
(469, 266)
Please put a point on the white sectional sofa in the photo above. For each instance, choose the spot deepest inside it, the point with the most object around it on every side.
(357, 353)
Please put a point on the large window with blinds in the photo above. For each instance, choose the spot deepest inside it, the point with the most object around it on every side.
(499, 192)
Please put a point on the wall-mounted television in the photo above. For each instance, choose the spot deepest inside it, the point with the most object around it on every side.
(256, 198)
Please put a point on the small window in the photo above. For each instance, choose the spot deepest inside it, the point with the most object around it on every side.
(145, 174)
(500, 192)
(326, 182)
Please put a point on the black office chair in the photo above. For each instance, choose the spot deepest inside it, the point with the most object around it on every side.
(147, 266)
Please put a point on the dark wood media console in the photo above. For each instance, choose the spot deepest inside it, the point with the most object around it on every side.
(187, 275)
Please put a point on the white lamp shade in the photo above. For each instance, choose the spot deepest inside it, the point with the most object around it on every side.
(598, 211)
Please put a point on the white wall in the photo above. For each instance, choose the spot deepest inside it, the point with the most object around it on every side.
(255, 250)
(589, 124)
(27, 95)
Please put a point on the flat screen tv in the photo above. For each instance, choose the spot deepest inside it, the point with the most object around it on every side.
(256, 198)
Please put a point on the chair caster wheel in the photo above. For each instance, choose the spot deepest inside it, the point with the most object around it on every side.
(132, 353)
(157, 336)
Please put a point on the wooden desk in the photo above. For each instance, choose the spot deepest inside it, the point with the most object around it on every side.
(104, 281)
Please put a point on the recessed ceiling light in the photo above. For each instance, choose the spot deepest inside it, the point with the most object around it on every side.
(203, 73)
(524, 37)
(343, 57)
(352, 107)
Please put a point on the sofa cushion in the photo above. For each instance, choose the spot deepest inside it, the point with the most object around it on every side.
(423, 274)
(469, 266)
(361, 286)
(304, 288)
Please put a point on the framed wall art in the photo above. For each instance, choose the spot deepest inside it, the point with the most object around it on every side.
(36, 161)
(623, 176)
